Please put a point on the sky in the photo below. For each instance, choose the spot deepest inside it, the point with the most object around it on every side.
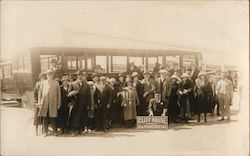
(219, 29)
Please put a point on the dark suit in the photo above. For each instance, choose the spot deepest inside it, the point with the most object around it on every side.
(79, 114)
(103, 97)
(139, 88)
(157, 107)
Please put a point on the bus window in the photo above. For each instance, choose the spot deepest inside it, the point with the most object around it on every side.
(159, 59)
(71, 62)
(119, 64)
(138, 61)
(1, 73)
(7, 71)
(45, 61)
(101, 64)
(188, 59)
(151, 63)
(81, 63)
(170, 60)
(90, 63)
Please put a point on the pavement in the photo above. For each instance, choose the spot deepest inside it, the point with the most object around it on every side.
(211, 138)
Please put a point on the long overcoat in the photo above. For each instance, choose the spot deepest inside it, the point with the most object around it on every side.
(49, 97)
(81, 102)
(129, 102)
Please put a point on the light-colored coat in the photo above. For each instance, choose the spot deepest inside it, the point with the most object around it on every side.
(129, 101)
(49, 98)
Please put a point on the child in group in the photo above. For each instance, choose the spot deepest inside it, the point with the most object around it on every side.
(156, 106)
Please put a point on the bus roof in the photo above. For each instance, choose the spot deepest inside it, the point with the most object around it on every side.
(105, 51)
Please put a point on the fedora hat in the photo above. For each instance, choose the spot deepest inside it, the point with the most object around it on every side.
(175, 77)
(65, 78)
(134, 74)
(146, 73)
(42, 75)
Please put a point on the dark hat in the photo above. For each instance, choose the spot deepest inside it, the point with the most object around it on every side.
(103, 78)
(41, 75)
(146, 73)
(121, 75)
(94, 75)
(53, 61)
(80, 72)
(65, 78)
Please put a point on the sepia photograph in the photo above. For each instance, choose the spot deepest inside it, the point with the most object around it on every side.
(124, 78)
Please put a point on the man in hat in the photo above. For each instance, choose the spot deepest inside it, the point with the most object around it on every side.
(215, 101)
(103, 102)
(57, 69)
(49, 99)
(224, 92)
(156, 106)
(175, 70)
(148, 90)
(157, 67)
(63, 113)
(139, 88)
(81, 91)
(131, 68)
(194, 71)
(162, 81)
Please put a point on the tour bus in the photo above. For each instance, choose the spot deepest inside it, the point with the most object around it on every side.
(27, 66)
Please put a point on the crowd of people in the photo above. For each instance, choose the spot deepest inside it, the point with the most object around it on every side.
(99, 103)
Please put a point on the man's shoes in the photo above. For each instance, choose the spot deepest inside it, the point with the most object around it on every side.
(55, 134)
(45, 134)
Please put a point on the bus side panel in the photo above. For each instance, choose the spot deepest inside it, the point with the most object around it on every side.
(35, 65)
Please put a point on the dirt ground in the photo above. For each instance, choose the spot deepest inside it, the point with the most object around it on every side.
(211, 138)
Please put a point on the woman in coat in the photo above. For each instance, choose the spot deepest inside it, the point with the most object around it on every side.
(185, 92)
(129, 101)
(38, 120)
(203, 95)
(103, 101)
(49, 99)
(115, 106)
(172, 98)
(80, 92)
(64, 109)
(139, 88)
